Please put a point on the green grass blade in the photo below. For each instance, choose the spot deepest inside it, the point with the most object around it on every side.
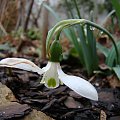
(117, 71)
(52, 12)
(116, 5)
(85, 50)
(102, 49)
(107, 17)
(71, 35)
(111, 59)
(92, 47)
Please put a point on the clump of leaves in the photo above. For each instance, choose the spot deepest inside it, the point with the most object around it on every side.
(111, 58)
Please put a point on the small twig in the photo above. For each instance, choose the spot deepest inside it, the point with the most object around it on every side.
(44, 31)
(39, 11)
(35, 19)
(3, 30)
(92, 78)
(19, 16)
(3, 8)
(22, 13)
(28, 15)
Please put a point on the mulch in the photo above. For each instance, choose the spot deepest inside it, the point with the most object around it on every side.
(61, 103)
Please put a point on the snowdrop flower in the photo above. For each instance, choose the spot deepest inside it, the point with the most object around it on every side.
(52, 75)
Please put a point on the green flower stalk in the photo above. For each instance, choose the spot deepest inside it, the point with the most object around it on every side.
(57, 29)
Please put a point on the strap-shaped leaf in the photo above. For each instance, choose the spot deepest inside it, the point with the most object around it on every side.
(116, 5)
(117, 71)
(103, 49)
(111, 58)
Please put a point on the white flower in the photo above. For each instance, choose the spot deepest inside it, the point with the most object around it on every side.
(53, 75)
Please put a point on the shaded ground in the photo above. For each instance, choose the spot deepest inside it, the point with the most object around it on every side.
(62, 103)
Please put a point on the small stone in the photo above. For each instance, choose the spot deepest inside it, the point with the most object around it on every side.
(6, 95)
(37, 115)
(71, 103)
(8, 108)
(14, 110)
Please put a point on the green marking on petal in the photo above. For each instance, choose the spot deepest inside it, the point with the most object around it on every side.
(51, 82)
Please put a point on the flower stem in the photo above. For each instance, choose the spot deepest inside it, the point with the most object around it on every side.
(106, 32)
(57, 29)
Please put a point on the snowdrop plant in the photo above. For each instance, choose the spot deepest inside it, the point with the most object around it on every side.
(53, 74)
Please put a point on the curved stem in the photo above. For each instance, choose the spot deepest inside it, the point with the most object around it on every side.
(59, 26)
(67, 23)
(108, 33)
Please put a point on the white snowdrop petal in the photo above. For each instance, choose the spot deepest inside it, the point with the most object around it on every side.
(50, 77)
(46, 67)
(79, 85)
(20, 63)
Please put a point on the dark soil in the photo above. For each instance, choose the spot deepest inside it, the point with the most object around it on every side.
(62, 103)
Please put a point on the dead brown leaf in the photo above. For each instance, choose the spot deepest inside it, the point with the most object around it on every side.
(113, 81)
(103, 115)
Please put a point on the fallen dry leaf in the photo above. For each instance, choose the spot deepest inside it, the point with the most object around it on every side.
(103, 115)
(113, 81)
